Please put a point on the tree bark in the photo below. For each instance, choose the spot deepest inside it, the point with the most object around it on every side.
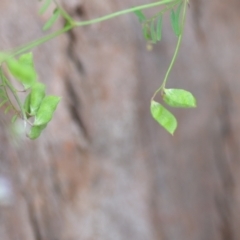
(103, 169)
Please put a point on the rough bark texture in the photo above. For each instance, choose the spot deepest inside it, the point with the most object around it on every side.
(103, 169)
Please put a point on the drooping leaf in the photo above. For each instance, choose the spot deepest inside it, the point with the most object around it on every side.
(159, 28)
(36, 97)
(178, 11)
(14, 118)
(145, 30)
(36, 131)
(22, 71)
(173, 23)
(175, 20)
(165, 118)
(140, 15)
(45, 6)
(153, 32)
(52, 19)
(3, 57)
(46, 110)
(7, 109)
(3, 102)
(179, 98)
(2, 94)
(27, 59)
(26, 105)
(66, 16)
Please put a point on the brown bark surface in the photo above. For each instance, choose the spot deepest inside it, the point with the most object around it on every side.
(103, 169)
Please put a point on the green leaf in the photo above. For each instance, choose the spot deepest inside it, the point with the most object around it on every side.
(52, 19)
(3, 94)
(36, 97)
(46, 110)
(175, 20)
(152, 31)
(179, 98)
(140, 15)
(3, 102)
(145, 30)
(22, 71)
(27, 59)
(26, 105)
(178, 11)
(36, 131)
(165, 118)
(8, 109)
(159, 28)
(174, 23)
(45, 6)
(14, 118)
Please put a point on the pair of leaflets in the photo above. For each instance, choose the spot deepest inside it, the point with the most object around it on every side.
(41, 107)
(53, 18)
(152, 27)
(58, 11)
(177, 98)
(36, 104)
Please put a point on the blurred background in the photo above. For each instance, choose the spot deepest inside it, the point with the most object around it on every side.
(104, 169)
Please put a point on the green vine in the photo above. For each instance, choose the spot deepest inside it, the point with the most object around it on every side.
(37, 109)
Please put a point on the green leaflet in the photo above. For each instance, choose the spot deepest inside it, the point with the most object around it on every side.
(22, 71)
(165, 118)
(8, 108)
(3, 102)
(36, 131)
(14, 118)
(36, 97)
(175, 20)
(153, 32)
(46, 110)
(159, 28)
(145, 30)
(45, 6)
(52, 19)
(140, 15)
(27, 59)
(68, 18)
(179, 98)
(2, 94)
(26, 104)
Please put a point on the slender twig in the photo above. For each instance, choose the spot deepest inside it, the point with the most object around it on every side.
(7, 95)
(170, 6)
(65, 14)
(129, 10)
(13, 91)
(71, 25)
(175, 53)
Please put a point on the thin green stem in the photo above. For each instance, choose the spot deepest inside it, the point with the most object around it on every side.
(122, 12)
(37, 42)
(170, 6)
(64, 14)
(13, 91)
(42, 40)
(147, 23)
(8, 98)
(175, 53)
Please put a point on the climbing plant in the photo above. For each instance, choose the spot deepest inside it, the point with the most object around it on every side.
(37, 109)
